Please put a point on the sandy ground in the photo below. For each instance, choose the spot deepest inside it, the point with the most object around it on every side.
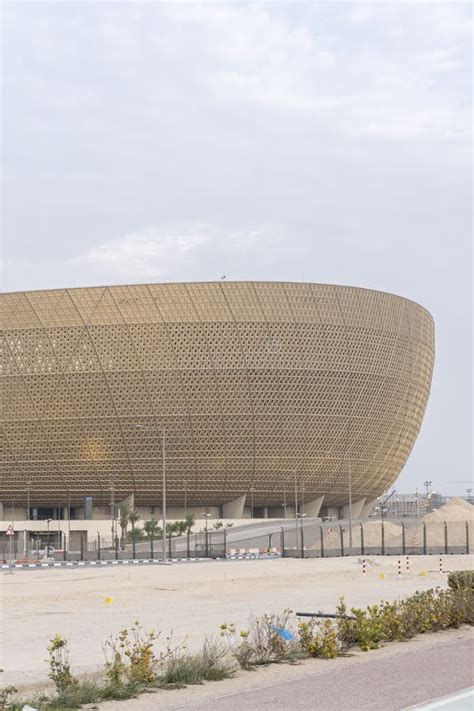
(190, 600)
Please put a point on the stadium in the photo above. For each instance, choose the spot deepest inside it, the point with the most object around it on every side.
(265, 395)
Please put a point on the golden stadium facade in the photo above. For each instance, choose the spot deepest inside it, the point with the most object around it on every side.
(257, 385)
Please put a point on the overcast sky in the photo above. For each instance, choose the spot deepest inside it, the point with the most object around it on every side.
(321, 141)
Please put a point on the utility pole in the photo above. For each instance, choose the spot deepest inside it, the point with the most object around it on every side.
(296, 512)
(163, 472)
(350, 506)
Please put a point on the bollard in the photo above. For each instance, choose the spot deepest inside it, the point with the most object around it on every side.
(399, 568)
(408, 564)
(441, 565)
(321, 535)
(364, 568)
(362, 544)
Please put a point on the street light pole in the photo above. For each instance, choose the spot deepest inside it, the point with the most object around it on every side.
(207, 516)
(28, 485)
(163, 470)
(296, 512)
(47, 550)
(163, 462)
(350, 506)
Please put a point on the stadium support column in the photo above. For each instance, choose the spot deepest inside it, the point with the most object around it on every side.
(357, 508)
(367, 508)
(235, 508)
(312, 508)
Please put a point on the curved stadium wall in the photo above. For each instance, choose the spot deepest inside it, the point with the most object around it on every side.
(255, 383)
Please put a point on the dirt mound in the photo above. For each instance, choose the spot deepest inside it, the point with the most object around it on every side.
(453, 510)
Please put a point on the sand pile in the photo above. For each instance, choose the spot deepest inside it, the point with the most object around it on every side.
(454, 510)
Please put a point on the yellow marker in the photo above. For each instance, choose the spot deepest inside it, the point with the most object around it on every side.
(109, 600)
(423, 572)
(382, 576)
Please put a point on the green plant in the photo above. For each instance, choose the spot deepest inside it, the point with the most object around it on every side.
(151, 527)
(211, 663)
(267, 640)
(189, 520)
(134, 517)
(461, 579)
(133, 658)
(217, 525)
(319, 638)
(124, 513)
(4, 697)
(59, 667)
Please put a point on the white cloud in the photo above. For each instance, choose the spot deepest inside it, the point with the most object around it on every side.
(176, 252)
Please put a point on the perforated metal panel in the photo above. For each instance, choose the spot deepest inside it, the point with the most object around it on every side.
(253, 381)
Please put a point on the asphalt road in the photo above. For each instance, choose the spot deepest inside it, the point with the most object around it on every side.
(389, 684)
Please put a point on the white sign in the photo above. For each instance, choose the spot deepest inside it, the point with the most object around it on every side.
(10, 531)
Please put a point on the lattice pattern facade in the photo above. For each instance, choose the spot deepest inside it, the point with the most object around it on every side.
(253, 381)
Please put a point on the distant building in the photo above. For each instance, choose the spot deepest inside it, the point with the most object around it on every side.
(261, 388)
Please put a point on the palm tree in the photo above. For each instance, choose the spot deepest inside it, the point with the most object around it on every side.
(189, 521)
(151, 527)
(124, 518)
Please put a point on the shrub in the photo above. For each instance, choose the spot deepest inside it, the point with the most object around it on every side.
(209, 664)
(319, 638)
(133, 659)
(267, 640)
(59, 667)
(461, 579)
(4, 697)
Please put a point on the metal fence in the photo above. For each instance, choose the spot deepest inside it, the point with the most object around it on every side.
(304, 539)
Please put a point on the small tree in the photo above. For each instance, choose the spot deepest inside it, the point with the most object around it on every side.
(133, 517)
(151, 527)
(190, 521)
(124, 518)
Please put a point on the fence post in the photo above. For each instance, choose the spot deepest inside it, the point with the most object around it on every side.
(302, 540)
(98, 546)
(424, 538)
(152, 552)
(64, 549)
(362, 544)
(133, 544)
(403, 539)
(383, 538)
(446, 538)
(467, 537)
(225, 543)
(169, 545)
(341, 535)
(116, 547)
(188, 535)
(82, 547)
(321, 535)
(282, 542)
